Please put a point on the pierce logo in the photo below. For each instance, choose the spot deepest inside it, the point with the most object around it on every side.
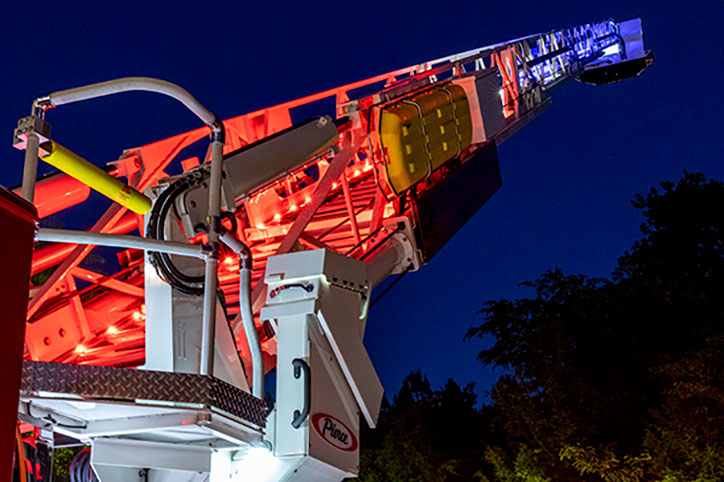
(334, 432)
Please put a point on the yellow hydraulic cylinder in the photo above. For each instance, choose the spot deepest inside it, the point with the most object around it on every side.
(94, 177)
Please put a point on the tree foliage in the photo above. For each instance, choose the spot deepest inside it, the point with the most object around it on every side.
(621, 379)
(426, 435)
(614, 380)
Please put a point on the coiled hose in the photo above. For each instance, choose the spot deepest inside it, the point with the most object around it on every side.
(165, 268)
(80, 468)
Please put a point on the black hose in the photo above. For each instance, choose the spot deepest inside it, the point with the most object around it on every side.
(391, 285)
(162, 262)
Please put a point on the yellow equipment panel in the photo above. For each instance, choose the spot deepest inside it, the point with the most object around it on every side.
(422, 132)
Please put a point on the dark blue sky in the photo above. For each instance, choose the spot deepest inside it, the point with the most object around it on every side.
(567, 177)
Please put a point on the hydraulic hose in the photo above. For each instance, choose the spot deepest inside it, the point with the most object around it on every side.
(165, 268)
(246, 313)
(80, 468)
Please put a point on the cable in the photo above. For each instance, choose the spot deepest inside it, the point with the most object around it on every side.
(162, 262)
(391, 285)
(53, 420)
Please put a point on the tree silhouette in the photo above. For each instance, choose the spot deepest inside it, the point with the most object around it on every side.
(621, 379)
(615, 380)
(426, 435)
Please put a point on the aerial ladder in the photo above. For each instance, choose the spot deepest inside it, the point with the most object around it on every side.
(261, 255)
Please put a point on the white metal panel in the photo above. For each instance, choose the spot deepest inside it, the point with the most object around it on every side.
(343, 335)
(173, 333)
(293, 343)
(135, 454)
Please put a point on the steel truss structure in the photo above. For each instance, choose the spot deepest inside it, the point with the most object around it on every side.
(338, 200)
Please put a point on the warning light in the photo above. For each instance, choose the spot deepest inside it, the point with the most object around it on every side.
(138, 316)
(357, 172)
(80, 349)
(277, 217)
(260, 226)
(307, 199)
(292, 208)
(112, 330)
(334, 185)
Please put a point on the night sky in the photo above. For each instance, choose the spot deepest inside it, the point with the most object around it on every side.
(568, 177)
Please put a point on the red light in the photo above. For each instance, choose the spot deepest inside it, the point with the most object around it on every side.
(112, 330)
(80, 349)
(293, 208)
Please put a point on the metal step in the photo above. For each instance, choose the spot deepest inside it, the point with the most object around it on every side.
(99, 383)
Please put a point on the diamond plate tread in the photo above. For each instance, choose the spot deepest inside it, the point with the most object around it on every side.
(125, 384)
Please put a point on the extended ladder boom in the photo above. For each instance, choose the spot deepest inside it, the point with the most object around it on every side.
(304, 217)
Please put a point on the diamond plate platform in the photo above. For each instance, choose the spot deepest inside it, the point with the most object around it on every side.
(128, 385)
